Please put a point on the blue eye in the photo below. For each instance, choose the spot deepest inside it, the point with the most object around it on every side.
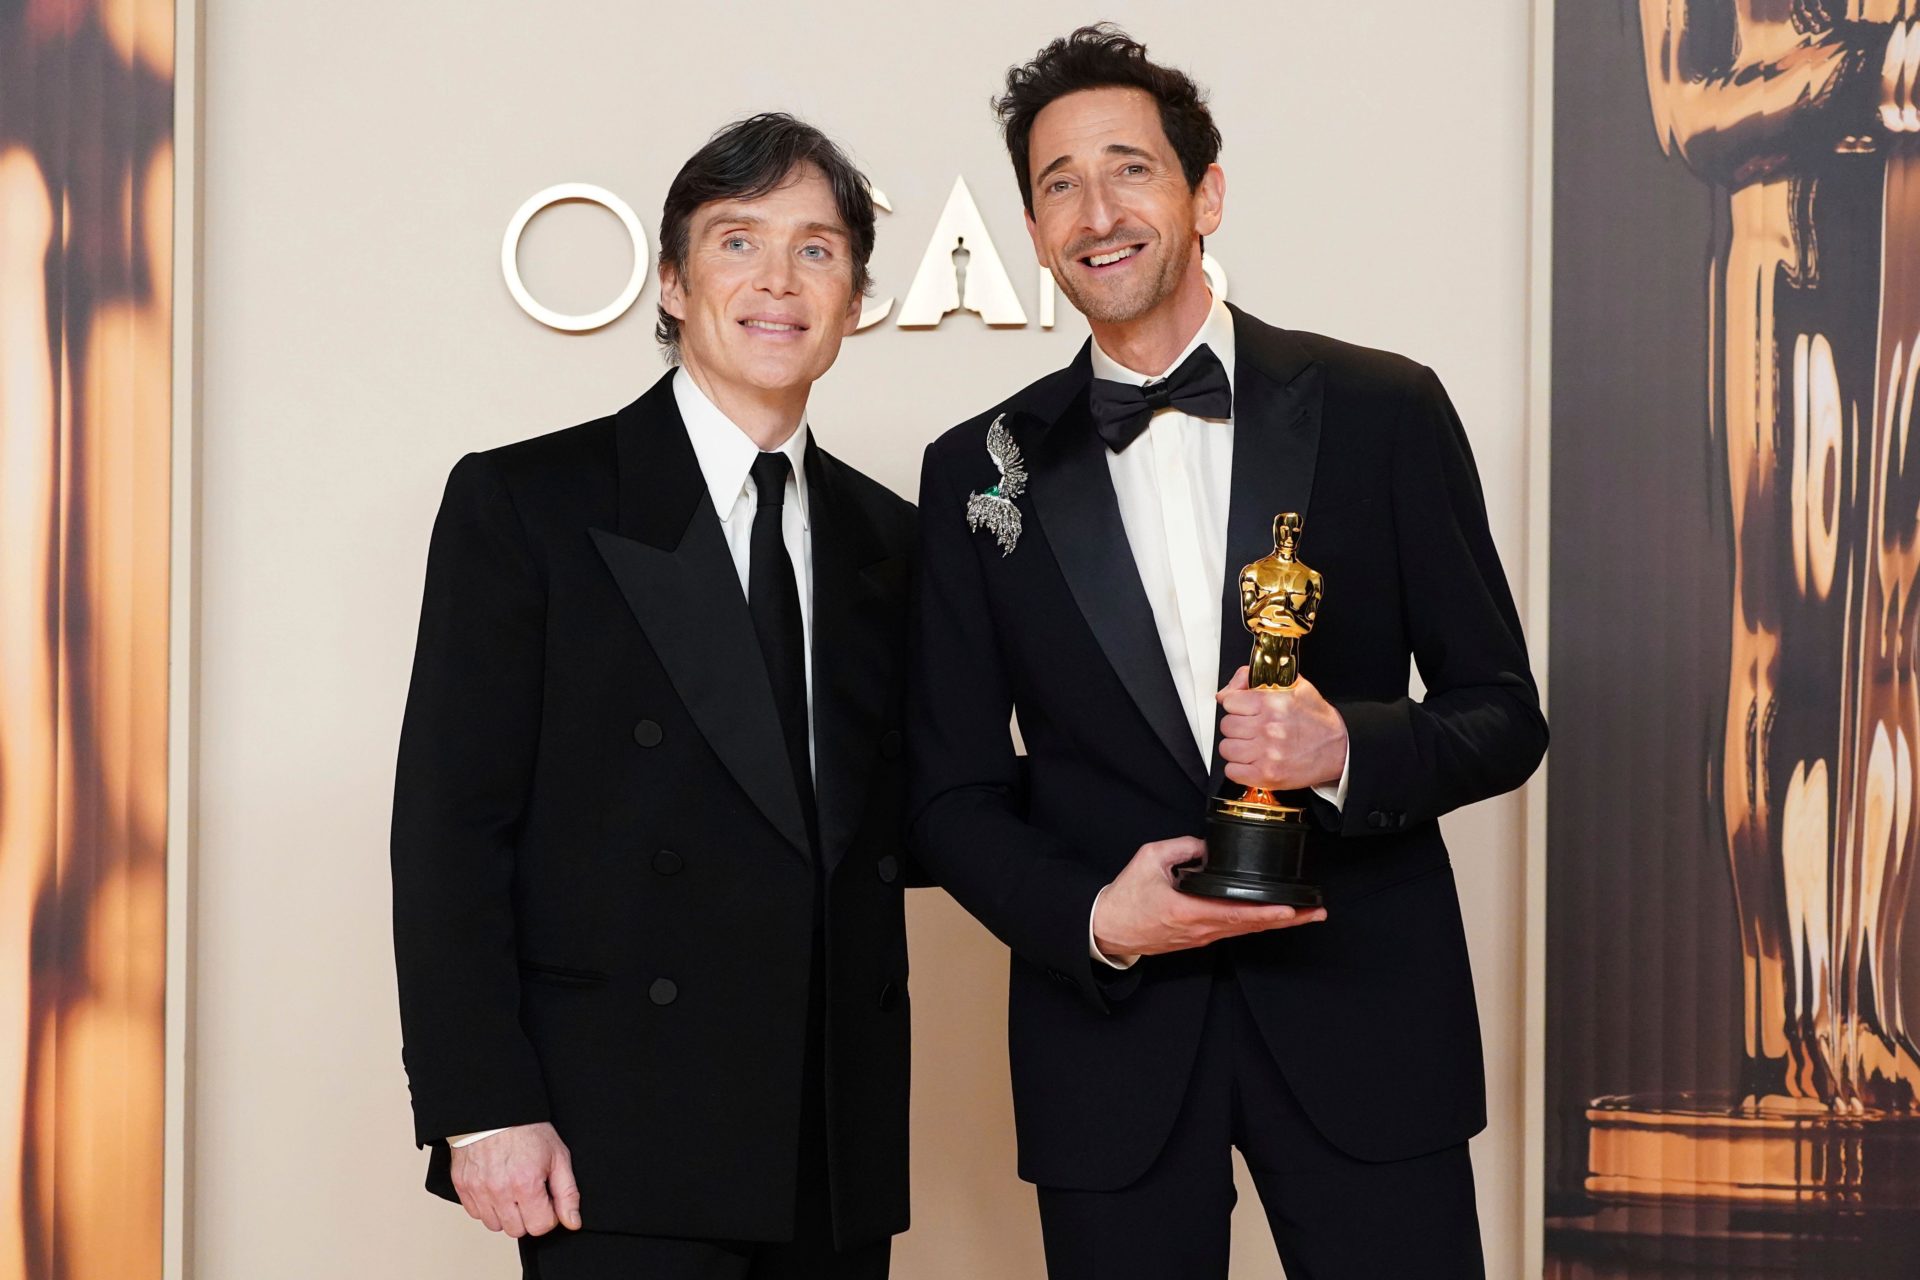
(731, 241)
(817, 251)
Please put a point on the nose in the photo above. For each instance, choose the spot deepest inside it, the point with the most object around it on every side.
(1099, 210)
(776, 275)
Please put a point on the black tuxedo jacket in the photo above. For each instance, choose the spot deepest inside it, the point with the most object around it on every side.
(603, 891)
(1371, 1014)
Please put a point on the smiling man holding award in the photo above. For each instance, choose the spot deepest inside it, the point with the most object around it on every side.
(1083, 546)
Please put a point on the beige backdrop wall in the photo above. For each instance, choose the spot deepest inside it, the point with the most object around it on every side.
(361, 162)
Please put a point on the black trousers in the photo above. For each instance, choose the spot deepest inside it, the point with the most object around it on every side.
(602, 1255)
(811, 1255)
(605, 1255)
(1333, 1217)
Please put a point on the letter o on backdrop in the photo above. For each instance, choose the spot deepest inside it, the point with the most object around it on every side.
(510, 257)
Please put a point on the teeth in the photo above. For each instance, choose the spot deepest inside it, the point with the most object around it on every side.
(770, 325)
(1102, 259)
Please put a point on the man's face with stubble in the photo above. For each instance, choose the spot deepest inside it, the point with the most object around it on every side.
(1113, 217)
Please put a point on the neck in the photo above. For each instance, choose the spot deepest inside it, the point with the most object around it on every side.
(767, 416)
(1149, 343)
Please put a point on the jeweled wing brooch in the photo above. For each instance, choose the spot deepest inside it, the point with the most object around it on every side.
(994, 510)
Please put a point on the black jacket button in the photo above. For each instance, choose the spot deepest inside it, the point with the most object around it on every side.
(889, 998)
(663, 991)
(667, 862)
(889, 868)
(1377, 820)
(890, 745)
(647, 733)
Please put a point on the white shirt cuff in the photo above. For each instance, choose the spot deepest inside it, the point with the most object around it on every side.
(1093, 948)
(468, 1139)
(1337, 795)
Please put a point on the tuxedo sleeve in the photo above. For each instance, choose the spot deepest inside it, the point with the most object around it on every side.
(467, 748)
(966, 825)
(1479, 730)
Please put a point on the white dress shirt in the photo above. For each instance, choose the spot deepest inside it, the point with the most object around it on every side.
(726, 455)
(1174, 485)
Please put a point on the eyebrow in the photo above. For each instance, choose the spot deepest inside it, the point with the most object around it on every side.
(741, 218)
(719, 216)
(1111, 149)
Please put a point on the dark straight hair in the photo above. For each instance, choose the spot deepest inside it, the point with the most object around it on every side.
(746, 160)
(1103, 56)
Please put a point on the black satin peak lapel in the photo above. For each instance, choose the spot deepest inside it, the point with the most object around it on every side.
(671, 562)
(1072, 494)
(854, 659)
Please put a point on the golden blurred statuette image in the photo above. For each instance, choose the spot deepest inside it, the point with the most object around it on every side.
(1257, 846)
(1811, 1155)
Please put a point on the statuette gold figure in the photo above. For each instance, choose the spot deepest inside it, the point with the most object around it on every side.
(1256, 846)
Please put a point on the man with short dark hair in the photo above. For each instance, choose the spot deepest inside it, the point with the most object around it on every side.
(1081, 547)
(647, 860)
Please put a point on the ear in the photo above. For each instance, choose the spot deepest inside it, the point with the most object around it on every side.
(1209, 200)
(1033, 234)
(673, 298)
(855, 305)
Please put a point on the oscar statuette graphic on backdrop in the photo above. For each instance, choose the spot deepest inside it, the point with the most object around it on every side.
(87, 258)
(1801, 122)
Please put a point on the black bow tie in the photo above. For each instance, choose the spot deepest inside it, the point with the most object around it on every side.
(1198, 387)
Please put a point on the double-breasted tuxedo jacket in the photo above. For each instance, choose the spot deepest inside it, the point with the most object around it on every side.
(1370, 1015)
(604, 898)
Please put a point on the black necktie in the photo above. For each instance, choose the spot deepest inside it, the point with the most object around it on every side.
(773, 598)
(1198, 387)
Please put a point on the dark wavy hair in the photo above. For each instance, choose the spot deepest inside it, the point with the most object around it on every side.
(744, 161)
(1103, 56)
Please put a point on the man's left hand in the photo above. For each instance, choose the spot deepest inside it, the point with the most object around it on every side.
(1280, 739)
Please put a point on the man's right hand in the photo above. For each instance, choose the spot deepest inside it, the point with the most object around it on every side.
(1142, 914)
(519, 1181)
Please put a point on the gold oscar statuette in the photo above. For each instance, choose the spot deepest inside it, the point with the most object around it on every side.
(1256, 846)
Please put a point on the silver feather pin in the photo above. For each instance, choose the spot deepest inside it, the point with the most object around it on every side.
(994, 510)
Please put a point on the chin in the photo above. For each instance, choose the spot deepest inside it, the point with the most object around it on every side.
(781, 376)
(1109, 309)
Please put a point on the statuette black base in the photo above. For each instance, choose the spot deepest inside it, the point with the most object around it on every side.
(1255, 853)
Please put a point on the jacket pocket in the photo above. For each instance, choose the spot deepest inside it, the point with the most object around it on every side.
(1371, 891)
(559, 975)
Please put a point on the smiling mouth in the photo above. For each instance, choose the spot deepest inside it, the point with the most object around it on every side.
(1111, 257)
(773, 326)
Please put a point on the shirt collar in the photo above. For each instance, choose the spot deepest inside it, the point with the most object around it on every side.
(726, 453)
(1216, 331)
